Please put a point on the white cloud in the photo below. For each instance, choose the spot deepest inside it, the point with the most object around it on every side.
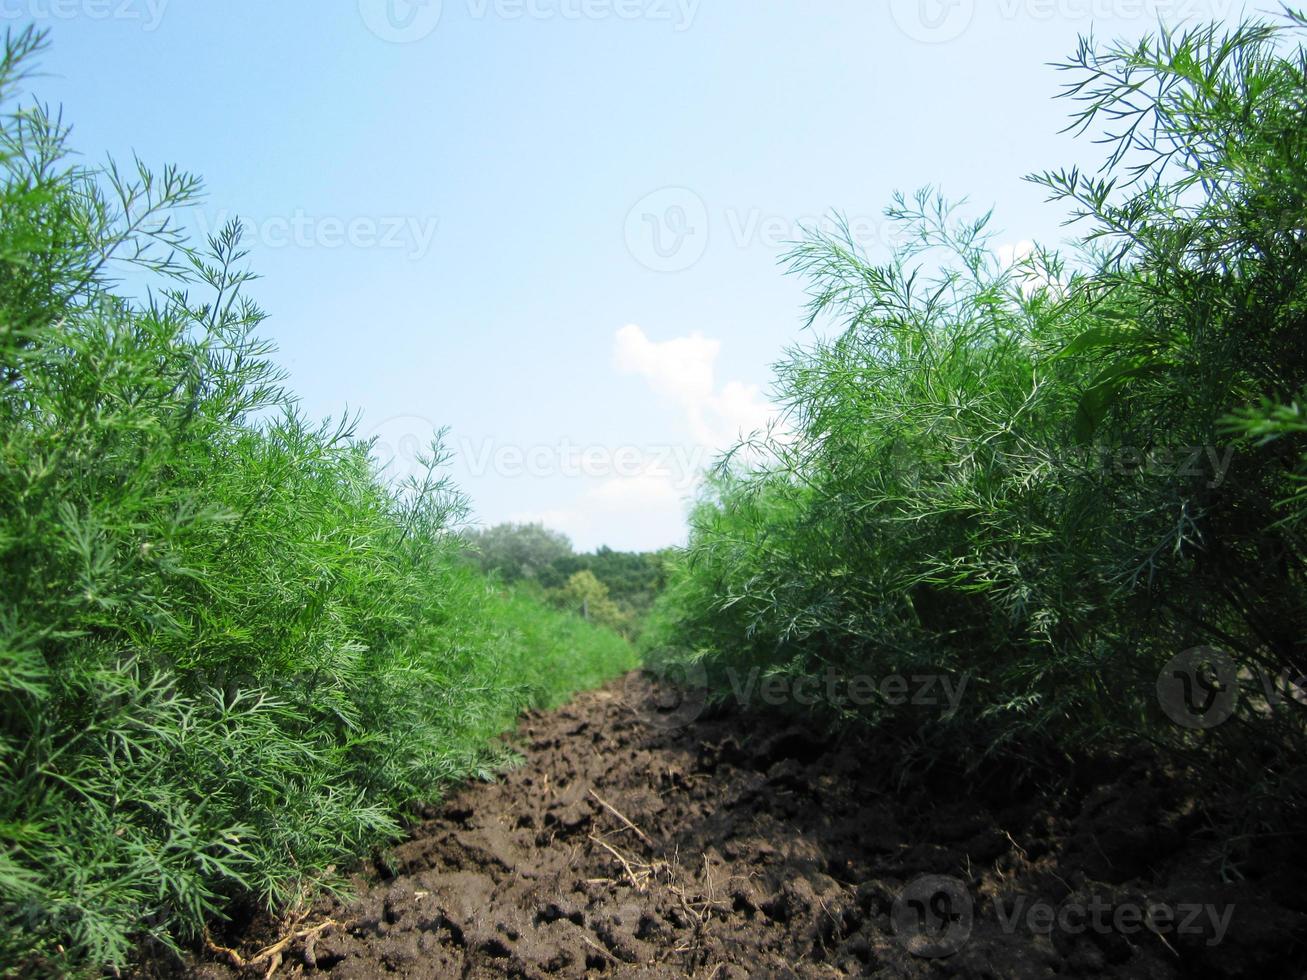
(744, 409)
(622, 494)
(646, 509)
(682, 371)
(643, 512)
(680, 368)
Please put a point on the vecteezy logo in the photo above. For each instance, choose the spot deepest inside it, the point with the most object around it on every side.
(669, 696)
(933, 21)
(1198, 687)
(932, 916)
(667, 231)
(400, 21)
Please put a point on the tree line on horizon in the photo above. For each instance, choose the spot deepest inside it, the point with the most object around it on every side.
(616, 589)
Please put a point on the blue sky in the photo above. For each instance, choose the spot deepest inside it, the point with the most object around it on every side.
(553, 225)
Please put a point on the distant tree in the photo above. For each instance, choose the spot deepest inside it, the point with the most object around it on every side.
(518, 551)
(634, 579)
(587, 596)
(533, 555)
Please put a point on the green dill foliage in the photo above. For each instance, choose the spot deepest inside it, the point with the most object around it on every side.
(229, 652)
(1052, 477)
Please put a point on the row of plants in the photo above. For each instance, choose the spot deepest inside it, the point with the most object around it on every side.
(231, 655)
(1052, 476)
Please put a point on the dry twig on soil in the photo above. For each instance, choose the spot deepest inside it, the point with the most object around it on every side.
(622, 817)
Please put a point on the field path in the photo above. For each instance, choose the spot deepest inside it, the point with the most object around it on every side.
(739, 847)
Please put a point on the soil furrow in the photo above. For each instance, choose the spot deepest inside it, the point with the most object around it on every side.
(743, 846)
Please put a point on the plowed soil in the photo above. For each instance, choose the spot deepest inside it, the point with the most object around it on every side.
(744, 846)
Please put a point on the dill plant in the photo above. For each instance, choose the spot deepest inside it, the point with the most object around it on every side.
(230, 654)
(988, 469)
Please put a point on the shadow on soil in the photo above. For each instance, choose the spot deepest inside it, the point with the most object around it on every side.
(742, 846)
